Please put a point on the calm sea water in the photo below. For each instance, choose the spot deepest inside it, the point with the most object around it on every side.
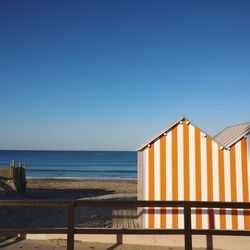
(74, 164)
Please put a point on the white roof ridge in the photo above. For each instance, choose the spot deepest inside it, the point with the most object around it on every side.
(166, 129)
(235, 125)
(154, 138)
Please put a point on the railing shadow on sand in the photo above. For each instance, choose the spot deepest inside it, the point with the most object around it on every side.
(71, 229)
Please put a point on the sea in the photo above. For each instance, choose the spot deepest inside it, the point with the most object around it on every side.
(81, 165)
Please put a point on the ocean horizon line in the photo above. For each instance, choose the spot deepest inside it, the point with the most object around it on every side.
(68, 150)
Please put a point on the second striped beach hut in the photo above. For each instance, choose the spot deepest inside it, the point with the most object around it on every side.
(184, 163)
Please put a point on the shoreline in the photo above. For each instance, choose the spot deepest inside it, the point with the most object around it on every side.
(79, 188)
(31, 178)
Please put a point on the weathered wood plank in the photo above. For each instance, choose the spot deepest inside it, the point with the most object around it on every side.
(125, 218)
(130, 221)
(114, 219)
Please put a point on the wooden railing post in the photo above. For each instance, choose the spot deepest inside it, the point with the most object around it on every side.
(188, 227)
(71, 226)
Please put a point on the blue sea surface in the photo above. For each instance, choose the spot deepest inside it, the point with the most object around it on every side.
(74, 164)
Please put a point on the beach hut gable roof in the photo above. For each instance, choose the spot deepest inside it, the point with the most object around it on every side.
(224, 139)
(170, 127)
(164, 130)
(232, 134)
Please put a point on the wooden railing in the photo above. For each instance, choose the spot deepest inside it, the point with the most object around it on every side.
(71, 230)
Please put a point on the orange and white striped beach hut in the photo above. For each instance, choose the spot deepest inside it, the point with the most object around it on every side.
(185, 163)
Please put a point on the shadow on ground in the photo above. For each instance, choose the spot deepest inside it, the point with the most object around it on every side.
(5, 242)
(61, 244)
(72, 194)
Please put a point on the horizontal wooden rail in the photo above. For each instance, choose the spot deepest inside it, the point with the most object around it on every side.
(5, 231)
(124, 203)
(71, 230)
(34, 203)
(220, 232)
(127, 231)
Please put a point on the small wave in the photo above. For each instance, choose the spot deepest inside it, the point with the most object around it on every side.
(79, 178)
(81, 164)
(81, 170)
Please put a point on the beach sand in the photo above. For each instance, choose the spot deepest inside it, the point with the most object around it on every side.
(57, 217)
(13, 244)
(81, 189)
(67, 189)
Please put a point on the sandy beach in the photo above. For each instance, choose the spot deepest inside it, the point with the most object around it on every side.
(66, 189)
(12, 244)
(80, 189)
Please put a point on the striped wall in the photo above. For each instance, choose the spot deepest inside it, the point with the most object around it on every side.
(187, 165)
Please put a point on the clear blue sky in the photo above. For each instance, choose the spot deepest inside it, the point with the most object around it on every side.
(109, 74)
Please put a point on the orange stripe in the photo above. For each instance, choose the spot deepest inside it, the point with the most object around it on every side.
(163, 167)
(221, 187)
(198, 176)
(186, 161)
(151, 184)
(163, 178)
(247, 218)
(174, 175)
(211, 218)
(245, 179)
(210, 182)
(233, 186)
(151, 217)
(163, 217)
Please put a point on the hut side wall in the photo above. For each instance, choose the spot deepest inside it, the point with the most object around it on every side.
(187, 165)
(140, 175)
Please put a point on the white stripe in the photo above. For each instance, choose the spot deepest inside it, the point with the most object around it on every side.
(193, 218)
(248, 163)
(192, 172)
(238, 171)
(223, 167)
(169, 176)
(192, 163)
(145, 184)
(240, 219)
(180, 152)
(227, 175)
(239, 182)
(157, 181)
(227, 187)
(169, 218)
(228, 219)
(144, 217)
(203, 169)
(215, 171)
(157, 216)
(204, 218)
(180, 218)
(166, 177)
(204, 180)
(180, 162)
(216, 219)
